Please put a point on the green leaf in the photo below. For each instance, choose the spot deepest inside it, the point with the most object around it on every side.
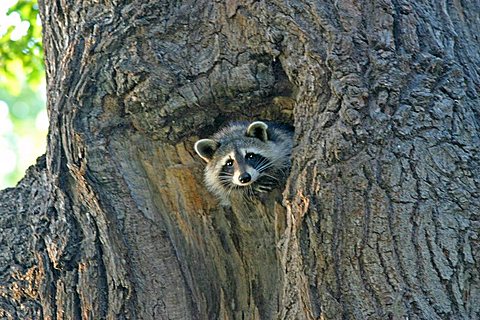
(21, 76)
(25, 49)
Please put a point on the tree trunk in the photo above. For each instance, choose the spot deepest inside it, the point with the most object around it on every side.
(380, 215)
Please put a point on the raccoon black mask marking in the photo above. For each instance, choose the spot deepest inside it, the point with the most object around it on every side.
(246, 158)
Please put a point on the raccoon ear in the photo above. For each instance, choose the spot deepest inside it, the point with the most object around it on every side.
(206, 148)
(258, 129)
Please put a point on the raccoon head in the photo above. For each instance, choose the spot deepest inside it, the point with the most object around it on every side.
(238, 159)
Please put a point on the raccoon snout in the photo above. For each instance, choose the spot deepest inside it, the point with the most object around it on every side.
(245, 177)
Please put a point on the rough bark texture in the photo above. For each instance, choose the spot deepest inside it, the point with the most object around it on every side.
(379, 218)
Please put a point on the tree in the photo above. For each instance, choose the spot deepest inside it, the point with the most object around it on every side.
(380, 215)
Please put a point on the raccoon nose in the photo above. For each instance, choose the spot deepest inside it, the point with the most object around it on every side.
(245, 177)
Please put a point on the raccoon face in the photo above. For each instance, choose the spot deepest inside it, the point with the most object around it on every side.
(245, 159)
(239, 160)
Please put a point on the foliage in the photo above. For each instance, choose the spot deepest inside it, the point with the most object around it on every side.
(23, 122)
(21, 47)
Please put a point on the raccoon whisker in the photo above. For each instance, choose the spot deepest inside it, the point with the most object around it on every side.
(261, 162)
(263, 189)
(270, 176)
(246, 194)
(271, 163)
(265, 167)
(251, 193)
(230, 190)
(279, 161)
(226, 185)
(276, 160)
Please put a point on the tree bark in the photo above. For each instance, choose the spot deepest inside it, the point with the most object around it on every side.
(380, 215)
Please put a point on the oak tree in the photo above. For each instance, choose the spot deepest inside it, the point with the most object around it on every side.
(379, 217)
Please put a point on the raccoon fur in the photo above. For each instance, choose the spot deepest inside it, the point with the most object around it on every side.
(246, 158)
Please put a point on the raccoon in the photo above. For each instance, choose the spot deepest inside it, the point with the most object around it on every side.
(246, 158)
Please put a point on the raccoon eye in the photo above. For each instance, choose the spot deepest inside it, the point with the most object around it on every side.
(229, 163)
(249, 155)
